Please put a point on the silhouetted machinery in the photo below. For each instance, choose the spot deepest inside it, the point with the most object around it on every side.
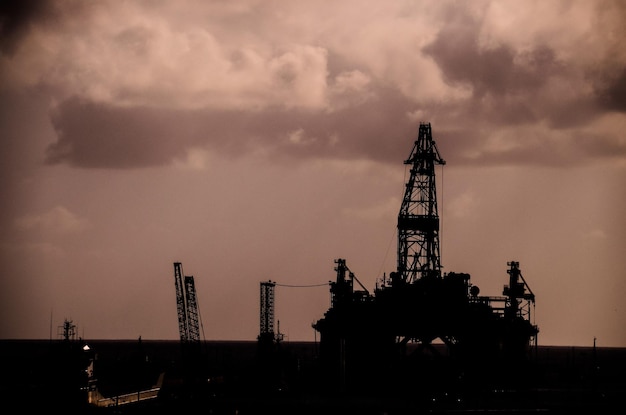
(266, 301)
(186, 305)
(188, 321)
(420, 325)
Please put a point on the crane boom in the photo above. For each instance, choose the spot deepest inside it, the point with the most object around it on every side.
(186, 305)
(180, 301)
(193, 326)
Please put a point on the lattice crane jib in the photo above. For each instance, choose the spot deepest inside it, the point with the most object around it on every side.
(193, 324)
(418, 219)
(186, 306)
(181, 307)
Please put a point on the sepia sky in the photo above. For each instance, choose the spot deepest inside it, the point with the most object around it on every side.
(257, 140)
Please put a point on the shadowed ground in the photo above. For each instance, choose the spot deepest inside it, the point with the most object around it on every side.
(231, 377)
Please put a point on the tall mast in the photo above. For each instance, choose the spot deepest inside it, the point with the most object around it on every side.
(418, 220)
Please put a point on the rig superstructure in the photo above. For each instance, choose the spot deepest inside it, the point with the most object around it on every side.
(392, 332)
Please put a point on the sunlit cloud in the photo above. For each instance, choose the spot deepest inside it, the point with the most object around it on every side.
(195, 159)
(348, 89)
(58, 220)
(463, 205)
(463, 66)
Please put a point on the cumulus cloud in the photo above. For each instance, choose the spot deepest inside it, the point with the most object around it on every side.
(58, 220)
(139, 86)
(92, 134)
(194, 159)
(128, 55)
(515, 82)
(16, 18)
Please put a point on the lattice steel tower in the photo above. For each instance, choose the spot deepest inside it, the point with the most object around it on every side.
(267, 311)
(418, 220)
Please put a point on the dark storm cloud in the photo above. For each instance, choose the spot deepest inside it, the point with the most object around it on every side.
(488, 71)
(527, 105)
(99, 135)
(186, 77)
(506, 84)
(16, 18)
(612, 92)
(600, 146)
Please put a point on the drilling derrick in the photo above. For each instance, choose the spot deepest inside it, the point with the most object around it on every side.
(418, 220)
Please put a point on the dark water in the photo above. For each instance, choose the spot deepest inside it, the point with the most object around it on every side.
(231, 377)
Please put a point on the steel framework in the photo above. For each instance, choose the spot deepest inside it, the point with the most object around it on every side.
(418, 219)
(267, 308)
(187, 306)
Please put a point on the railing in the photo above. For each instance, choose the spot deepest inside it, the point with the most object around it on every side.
(125, 399)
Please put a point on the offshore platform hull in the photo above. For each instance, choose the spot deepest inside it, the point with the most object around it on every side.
(422, 332)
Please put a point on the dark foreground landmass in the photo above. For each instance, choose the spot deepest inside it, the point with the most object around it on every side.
(239, 378)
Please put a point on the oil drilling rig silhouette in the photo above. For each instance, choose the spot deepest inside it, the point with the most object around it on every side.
(401, 330)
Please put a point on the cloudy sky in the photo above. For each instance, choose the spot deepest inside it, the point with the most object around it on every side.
(256, 140)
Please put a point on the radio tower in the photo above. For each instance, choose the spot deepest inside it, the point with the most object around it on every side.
(418, 220)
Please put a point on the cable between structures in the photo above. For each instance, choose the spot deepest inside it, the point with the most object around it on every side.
(301, 286)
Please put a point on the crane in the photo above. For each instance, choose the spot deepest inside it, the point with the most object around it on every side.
(188, 324)
(187, 306)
